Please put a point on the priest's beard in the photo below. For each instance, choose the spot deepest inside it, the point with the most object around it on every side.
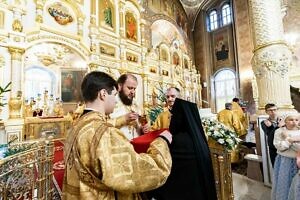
(125, 100)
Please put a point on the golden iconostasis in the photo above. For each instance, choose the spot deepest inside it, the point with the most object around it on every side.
(50, 45)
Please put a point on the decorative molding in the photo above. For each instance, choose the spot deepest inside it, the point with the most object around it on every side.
(17, 26)
(16, 53)
(80, 47)
(276, 58)
(267, 44)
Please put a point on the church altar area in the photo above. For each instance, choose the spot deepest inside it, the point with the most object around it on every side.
(50, 50)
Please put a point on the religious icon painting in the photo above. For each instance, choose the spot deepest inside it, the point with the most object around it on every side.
(60, 13)
(223, 48)
(131, 26)
(71, 84)
(106, 14)
(107, 50)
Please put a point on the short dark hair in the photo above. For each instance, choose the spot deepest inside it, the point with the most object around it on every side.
(175, 88)
(124, 77)
(228, 105)
(95, 81)
(269, 105)
(235, 99)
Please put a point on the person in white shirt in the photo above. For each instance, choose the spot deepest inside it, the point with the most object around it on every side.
(286, 141)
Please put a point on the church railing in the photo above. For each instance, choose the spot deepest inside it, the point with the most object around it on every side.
(28, 174)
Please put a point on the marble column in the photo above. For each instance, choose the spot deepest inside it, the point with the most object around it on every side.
(272, 57)
(15, 124)
(15, 102)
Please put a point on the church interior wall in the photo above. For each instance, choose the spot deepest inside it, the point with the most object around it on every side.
(202, 56)
(244, 46)
(291, 23)
(207, 44)
(112, 36)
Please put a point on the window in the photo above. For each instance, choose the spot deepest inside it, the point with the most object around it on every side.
(213, 20)
(37, 80)
(225, 88)
(226, 14)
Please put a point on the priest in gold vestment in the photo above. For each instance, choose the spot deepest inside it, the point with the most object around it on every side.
(230, 119)
(125, 115)
(163, 119)
(238, 111)
(100, 161)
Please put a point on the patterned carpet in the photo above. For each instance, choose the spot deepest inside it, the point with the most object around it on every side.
(58, 168)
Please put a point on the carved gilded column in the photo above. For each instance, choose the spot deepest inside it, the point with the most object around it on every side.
(39, 10)
(93, 32)
(80, 26)
(17, 19)
(145, 89)
(15, 102)
(122, 18)
(272, 57)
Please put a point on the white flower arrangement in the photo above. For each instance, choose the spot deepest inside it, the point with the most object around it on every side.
(220, 133)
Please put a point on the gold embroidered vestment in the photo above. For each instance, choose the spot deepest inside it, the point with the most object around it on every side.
(101, 163)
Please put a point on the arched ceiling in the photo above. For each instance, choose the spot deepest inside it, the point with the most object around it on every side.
(191, 3)
(191, 7)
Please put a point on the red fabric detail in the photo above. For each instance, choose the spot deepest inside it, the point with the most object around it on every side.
(142, 143)
(58, 163)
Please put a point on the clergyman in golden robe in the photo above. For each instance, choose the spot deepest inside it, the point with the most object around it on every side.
(100, 161)
(236, 108)
(126, 112)
(230, 119)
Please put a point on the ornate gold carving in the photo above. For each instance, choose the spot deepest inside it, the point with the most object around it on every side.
(2, 15)
(39, 19)
(93, 21)
(17, 26)
(81, 48)
(93, 66)
(15, 104)
(16, 53)
(21, 172)
(17, 39)
(2, 61)
(222, 170)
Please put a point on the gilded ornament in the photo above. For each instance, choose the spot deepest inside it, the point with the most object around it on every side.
(93, 21)
(93, 66)
(2, 61)
(93, 48)
(39, 19)
(16, 53)
(15, 104)
(17, 26)
(17, 39)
